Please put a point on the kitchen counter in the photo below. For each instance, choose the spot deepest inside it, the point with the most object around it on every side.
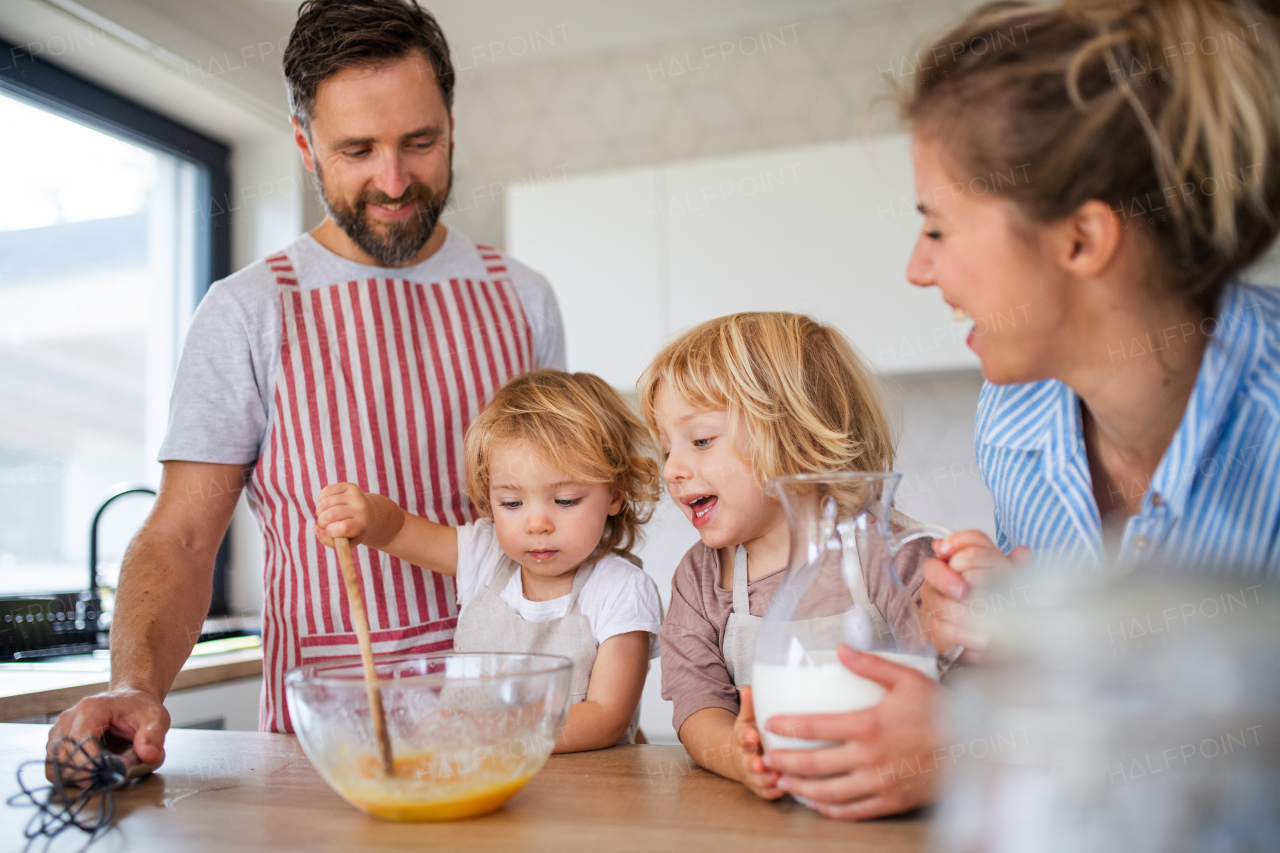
(255, 793)
(50, 687)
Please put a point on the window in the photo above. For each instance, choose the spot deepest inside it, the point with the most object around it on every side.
(107, 241)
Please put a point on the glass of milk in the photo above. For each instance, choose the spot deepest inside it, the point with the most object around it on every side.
(842, 586)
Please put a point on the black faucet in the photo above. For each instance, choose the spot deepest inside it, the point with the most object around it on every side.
(118, 492)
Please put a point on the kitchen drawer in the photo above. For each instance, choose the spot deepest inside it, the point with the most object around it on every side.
(231, 706)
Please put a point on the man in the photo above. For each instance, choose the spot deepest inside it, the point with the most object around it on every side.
(359, 353)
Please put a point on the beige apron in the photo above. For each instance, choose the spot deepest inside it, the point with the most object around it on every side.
(739, 643)
(489, 624)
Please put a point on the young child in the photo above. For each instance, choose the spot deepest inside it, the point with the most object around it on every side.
(735, 402)
(559, 467)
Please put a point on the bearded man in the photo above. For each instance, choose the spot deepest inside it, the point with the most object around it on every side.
(360, 353)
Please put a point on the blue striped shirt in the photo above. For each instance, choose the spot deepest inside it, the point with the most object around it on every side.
(1214, 501)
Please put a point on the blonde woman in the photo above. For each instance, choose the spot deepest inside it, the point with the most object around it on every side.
(735, 402)
(559, 468)
(1093, 176)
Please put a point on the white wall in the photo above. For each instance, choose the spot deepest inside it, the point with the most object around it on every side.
(711, 79)
(667, 537)
(941, 483)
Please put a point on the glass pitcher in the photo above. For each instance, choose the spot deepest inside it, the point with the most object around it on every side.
(842, 585)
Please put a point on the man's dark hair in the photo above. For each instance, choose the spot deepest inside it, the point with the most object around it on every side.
(331, 35)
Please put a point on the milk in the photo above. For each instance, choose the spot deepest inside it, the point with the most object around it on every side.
(819, 685)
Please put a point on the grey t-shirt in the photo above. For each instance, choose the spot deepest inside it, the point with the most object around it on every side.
(227, 374)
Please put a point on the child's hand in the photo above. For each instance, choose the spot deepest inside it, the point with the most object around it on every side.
(342, 509)
(966, 559)
(748, 755)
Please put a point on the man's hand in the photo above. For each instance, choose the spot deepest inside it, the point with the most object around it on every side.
(161, 603)
(748, 753)
(885, 762)
(966, 559)
(133, 715)
(342, 509)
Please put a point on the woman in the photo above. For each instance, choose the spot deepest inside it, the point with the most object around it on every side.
(1130, 157)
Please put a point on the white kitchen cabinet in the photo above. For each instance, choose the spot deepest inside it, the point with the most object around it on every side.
(598, 240)
(637, 256)
(665, 539)
(230, 706)
(825, 231)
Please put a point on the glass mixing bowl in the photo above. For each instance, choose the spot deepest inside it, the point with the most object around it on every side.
(467, 730)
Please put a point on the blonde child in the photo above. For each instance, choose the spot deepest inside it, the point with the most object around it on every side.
(558, 467)
(735, 402)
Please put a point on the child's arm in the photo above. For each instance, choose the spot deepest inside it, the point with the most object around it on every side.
(696, 679)
(617, 680)
(342, 509)
(730, 746)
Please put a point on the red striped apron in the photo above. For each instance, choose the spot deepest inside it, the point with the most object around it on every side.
(378, 382)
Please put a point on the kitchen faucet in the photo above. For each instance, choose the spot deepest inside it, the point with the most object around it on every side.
(116, 493)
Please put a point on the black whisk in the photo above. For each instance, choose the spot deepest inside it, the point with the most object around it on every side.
(83, 791)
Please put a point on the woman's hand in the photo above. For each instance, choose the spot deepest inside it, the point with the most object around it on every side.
(342, 509)
(748, 754)
(887, 760)
(966, 559)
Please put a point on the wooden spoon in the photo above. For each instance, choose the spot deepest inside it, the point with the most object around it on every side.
(361, 620)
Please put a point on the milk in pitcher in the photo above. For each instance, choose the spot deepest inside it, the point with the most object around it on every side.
(820, 684)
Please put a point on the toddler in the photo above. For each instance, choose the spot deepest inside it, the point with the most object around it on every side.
(557, 465)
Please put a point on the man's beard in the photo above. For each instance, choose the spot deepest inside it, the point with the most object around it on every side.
(391, 244)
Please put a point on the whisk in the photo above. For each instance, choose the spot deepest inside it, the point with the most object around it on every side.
(82, 793)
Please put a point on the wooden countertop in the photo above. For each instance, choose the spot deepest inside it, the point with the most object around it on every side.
(255, 793)
(28, 689)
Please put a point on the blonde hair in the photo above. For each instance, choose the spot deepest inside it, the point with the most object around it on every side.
(809, 403)
(585, 428)
(1156, 108)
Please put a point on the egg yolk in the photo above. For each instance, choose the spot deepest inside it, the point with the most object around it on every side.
(420, 792)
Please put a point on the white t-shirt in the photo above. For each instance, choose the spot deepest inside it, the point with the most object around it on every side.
(226, 377)
(618, 597)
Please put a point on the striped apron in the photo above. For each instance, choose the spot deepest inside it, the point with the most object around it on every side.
(378, 382)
